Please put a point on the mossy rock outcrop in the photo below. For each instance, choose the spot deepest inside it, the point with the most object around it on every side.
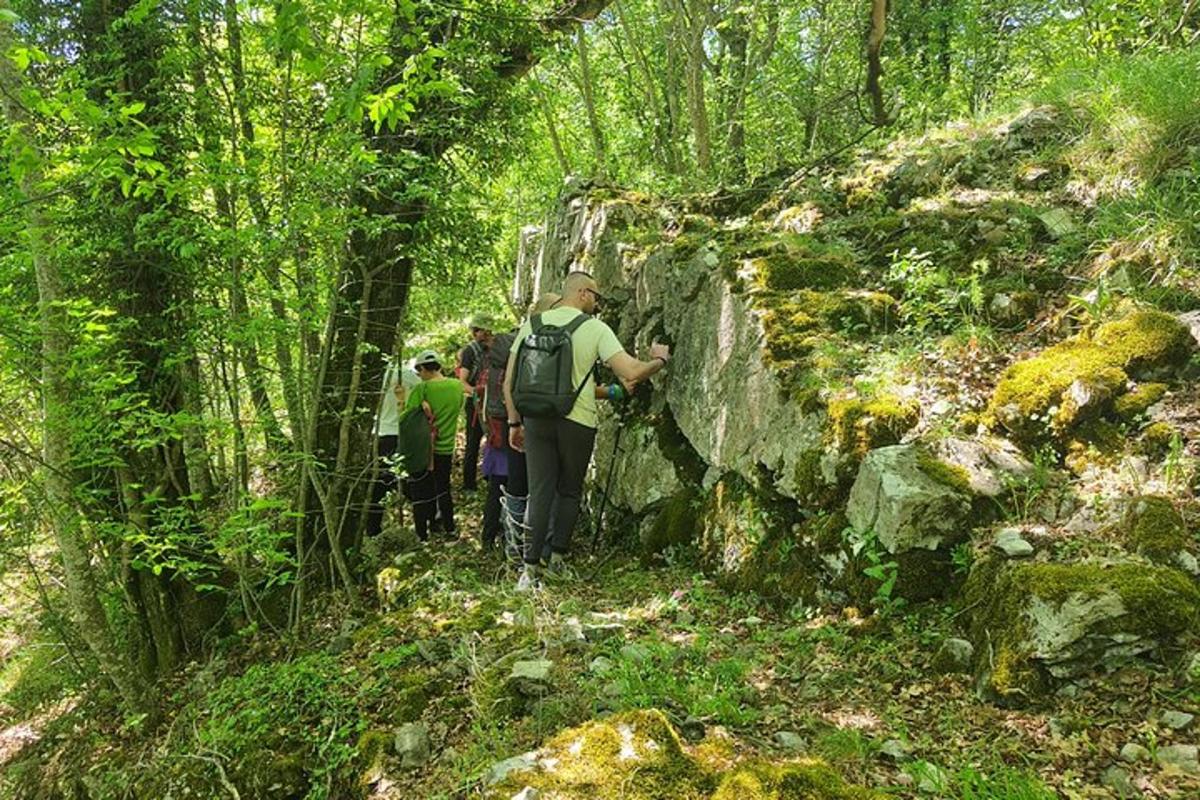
(638, 755)
(1154, 528)
(1034, 624)
(677, 522)
(755, 541)
(1076, 381)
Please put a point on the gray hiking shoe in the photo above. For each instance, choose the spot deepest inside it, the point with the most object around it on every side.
(528, 580)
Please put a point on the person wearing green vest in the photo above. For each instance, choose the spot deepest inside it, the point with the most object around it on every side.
(443, 399)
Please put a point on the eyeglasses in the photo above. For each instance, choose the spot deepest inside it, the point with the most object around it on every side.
(599, 297)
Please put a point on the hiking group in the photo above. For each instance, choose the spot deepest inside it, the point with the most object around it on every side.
(529, 397)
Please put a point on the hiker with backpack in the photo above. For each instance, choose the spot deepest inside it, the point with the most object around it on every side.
(441, 398)
(470, 363)
(505, 468)
(549, 390)
(397, 382)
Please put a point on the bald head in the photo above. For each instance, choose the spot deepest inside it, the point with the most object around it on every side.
(580, 291)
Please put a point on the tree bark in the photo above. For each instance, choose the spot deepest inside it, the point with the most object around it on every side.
(589, 103)
(878, 29)
(82, 588)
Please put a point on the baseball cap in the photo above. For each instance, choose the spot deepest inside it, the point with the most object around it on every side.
(481, 322)
(426, 357)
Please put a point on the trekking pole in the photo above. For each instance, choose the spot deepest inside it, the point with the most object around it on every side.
(612, 467)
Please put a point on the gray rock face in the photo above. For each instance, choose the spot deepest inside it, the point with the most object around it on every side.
(531, 678)
(955, 655)
(790, 740)
(1133, 753)
(643, 475)
(990, 464)
(412, 745)
(1176, 720)
(1010, 542)
(502, 769)
(718, 347)
(1117, 779)
(905, 507)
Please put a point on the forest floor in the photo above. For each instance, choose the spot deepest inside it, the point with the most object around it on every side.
(858, 689)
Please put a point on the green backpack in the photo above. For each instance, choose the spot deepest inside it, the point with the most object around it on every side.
(414, 444)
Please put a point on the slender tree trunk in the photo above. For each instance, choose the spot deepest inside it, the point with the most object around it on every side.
(82, 589)
(695, 13)
(552, 129)
(665, 145)
(878, 30)
(589, 102)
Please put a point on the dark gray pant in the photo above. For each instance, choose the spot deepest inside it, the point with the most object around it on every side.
(557, 452)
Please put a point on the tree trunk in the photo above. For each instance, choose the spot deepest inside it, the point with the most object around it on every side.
(875, 36)
(696, 14)
(150, 286)
(82, 589)
(589, 103)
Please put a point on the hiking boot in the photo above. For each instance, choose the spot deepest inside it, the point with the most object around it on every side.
(528, 580)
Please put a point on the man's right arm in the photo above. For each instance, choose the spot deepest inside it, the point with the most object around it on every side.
(629, 368)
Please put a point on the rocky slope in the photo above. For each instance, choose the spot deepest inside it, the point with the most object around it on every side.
(902, 369)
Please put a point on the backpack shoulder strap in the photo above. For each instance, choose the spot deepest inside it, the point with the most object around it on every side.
(535, 323)
(574, 324)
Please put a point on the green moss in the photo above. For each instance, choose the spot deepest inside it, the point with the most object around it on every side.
(373, 745)
(638, 756)
(634, 755)
(1134, 403)
(1027, 391)
(950, 475)
(1157, 437)
(1159, 602)
(787, 262)
(1154, 528)
(858, 425)
(1147, 341)
(677, 523)
(807, 779)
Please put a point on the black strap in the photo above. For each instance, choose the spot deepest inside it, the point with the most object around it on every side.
(579, 391)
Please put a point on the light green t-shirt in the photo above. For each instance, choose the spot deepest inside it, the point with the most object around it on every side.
(445, 396)
(592, 341)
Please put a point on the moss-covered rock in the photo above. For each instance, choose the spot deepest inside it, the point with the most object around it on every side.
(797, 322)
(1147, 342)
(635, 755)
(1033, 623)
(1154, 528)
(638, 755)
(677, 522)
(858, 426)
(1156, 438)
(1138, 400)
(807, 779)
(792, 261)
(1079, 379)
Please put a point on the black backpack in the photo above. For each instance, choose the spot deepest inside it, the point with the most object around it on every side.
(542, 385)
(497, 364)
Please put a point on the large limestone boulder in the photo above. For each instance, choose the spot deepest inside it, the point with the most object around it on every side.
(643, 475)
(638, 755)
(909, 500)
(1034, 624)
